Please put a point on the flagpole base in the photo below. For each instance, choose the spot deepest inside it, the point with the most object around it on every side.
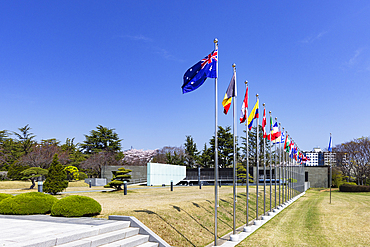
(234, 238)
(247, 229)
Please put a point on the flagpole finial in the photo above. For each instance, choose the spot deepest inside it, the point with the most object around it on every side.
(256, 95)
(276, 119)
(263, 104)
(216, 41)
(246, 82)
(270, 112)
(234, 65)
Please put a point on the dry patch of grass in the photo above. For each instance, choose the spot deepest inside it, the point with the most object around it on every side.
(312, 221)
(17, 187)
(14, 185)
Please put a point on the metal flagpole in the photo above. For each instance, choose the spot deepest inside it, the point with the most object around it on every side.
(284, 177)
(330, 166)
(286, 167)
(247, 172)
(264, 164)
(234, 144)
(270, 166)
(216, 148)
(257, 162)
(275, 169)
(279, 164)
(287, 170)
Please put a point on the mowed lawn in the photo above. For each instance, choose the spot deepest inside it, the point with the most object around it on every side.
(312, 221)
(185, 217)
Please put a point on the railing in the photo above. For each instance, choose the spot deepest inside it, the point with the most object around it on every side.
(208, 178)
(137, 181)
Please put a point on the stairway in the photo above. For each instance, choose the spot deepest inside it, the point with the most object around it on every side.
(119, 234)
(45, 231)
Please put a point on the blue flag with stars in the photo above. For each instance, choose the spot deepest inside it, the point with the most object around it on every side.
(196, 75)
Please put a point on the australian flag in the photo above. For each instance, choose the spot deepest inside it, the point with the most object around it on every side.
(196, 75)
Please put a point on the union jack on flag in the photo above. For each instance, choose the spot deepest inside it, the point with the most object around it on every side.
(197, 74)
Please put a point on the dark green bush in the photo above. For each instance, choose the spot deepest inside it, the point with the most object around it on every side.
(3, 196)
(56, 180)
(82, 176)
(28, 203)
(76, 206)
(353, 188)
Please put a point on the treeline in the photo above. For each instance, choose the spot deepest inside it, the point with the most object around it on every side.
(20, 151)
(352, 162)
(102, 147)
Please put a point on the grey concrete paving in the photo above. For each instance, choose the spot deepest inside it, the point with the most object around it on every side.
(18, 230)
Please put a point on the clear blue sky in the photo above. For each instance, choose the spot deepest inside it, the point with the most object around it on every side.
(69, 66)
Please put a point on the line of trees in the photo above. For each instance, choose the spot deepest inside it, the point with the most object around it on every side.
(102, 147)
(353, 161)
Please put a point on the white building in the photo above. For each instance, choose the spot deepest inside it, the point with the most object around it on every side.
(313, 157)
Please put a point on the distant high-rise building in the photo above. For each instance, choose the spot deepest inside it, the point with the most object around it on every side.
(315, 157)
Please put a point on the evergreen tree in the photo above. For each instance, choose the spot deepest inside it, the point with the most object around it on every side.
(205, 158)
(32, 174)
(75, 155)
(10, 150)
(191, 152)
(118, 178)
(14, 172)
(241, 172)
(56, 179)
(102, 139)
(252, 143)
(25, 138)
(225, 147)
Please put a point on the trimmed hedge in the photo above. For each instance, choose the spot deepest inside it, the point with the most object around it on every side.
(76, 206)
(353, 188)
(3, 196)
(28, 203)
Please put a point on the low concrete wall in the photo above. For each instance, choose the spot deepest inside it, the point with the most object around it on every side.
(318, 176)
(96, 181)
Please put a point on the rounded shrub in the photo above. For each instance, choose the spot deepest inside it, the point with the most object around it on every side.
(76, 206)
(28, 203)
(3, 196)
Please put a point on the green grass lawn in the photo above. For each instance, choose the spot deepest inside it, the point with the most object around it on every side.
(185, 216)
(312, 221)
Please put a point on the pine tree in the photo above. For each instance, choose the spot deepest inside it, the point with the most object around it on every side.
(191, 152)
(56, 179)
(118, 178)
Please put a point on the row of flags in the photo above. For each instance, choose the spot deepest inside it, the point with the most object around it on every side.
(196, 75)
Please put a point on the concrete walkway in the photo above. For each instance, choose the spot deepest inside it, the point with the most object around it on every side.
(16, 230)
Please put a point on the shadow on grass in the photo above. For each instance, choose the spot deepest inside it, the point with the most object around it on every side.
(218, 216)
(199, 223)
(151, 212)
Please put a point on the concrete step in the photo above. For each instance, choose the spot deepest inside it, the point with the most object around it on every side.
(129, 242)
(52, 237)
(148, 244)
(104, 238)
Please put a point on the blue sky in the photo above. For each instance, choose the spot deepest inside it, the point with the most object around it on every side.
(69, 66)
